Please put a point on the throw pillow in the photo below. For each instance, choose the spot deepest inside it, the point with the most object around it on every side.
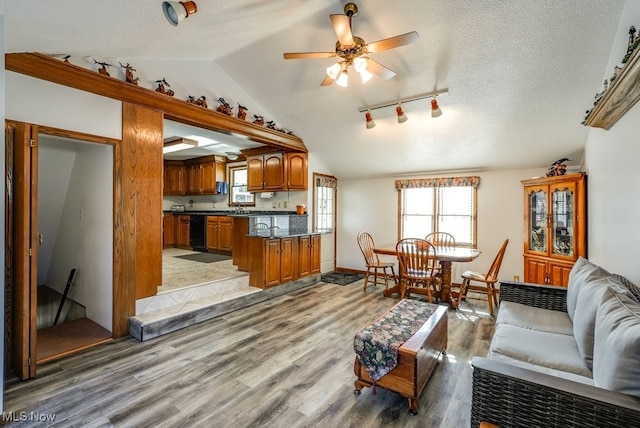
(617, 345)
(581, 271)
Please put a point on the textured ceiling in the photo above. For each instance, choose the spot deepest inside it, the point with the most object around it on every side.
(520, 73)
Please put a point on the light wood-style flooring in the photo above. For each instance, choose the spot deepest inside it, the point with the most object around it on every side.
(286, 362)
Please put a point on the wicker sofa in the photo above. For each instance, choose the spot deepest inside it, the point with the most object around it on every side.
(563, 357)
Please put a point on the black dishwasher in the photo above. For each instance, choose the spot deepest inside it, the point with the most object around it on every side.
(197, 235)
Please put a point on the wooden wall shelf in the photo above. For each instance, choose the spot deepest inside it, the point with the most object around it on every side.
(54, 70)
(622, 94)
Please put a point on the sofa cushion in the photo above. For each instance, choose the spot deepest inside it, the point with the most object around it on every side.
(634, 289)
(524, 316)
(541, 369)
(580, 273)
(617, 344)
(591, 296)
(552, 350)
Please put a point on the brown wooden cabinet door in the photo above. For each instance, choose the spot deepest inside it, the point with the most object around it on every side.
(273, 164)
(212, 233)
(176, 179)
(296, 171)
(272, 262)
(315, 254)
(193, 179)
(184, 228)
(288, 259)
(255, 173)
(208, 177)
(535, 271)
(559, 274)
(225, 233)
(304, 254)
(168, 231)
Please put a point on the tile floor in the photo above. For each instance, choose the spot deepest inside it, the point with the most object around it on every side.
(189, 285)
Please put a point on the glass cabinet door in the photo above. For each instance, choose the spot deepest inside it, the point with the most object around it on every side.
(538, 220)
(563, 203)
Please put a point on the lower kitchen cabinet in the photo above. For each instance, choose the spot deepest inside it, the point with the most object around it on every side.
(274, 261)
(168, 231)
(308, 255)
(183, 232)
(219, 233)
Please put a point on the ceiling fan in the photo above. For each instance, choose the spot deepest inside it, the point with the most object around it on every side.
(354, 51)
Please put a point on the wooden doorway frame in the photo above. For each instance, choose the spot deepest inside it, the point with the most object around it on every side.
(21, 248)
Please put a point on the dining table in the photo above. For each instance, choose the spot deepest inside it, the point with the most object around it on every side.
(446, 255)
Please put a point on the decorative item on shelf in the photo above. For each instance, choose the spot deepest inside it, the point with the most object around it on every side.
(630, 45)
(258, 120)
(103, 67)
(224, 107)
(162, 87)
(242, 112)
(271, 125)
(128, 72)
(201, 101)
(557, 168)
(66, 58)
(402, 117)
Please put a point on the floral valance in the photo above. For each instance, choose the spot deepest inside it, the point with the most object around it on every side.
(326, 182)
(473, 181)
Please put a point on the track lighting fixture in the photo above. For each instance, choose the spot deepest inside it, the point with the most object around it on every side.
(177, 11)
(401, 116)
(435, 108)
(369, 120)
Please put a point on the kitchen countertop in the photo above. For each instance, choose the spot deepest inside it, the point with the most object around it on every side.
(280, 233)
(235, 213)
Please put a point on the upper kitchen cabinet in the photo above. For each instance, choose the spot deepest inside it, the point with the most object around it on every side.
(277, 172)
(174, 178)
(203, 174)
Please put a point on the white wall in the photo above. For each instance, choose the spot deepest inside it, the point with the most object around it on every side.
(611, 158)
(372, 205)
(44, 103)
(85, 234)
(55, 163)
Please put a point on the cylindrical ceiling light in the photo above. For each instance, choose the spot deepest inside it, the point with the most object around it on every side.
(402, 118)
(435, 108)
(369, 120)
(176, 11)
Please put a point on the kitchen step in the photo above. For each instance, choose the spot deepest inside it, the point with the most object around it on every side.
(177, 309)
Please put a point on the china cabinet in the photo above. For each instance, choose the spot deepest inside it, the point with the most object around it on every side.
(555, 227)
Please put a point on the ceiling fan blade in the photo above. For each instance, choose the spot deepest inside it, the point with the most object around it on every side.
(342, 27)
(327, 81)
(393, 42)
(306, 55)
(379, 70)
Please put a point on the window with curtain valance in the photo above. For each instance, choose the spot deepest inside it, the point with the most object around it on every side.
(441, 204)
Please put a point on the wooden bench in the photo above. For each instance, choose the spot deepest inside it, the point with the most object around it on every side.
(416, 359)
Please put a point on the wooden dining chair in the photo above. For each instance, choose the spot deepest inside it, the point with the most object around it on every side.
(374, 266)
(417, 259)
(487, 281)
(441, 239)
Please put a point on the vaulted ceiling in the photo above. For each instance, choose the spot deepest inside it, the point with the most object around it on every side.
(520, 74)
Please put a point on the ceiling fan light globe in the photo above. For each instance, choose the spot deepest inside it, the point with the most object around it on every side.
(334, 70)
(360, 64)
(343, 79)
(365, 75)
